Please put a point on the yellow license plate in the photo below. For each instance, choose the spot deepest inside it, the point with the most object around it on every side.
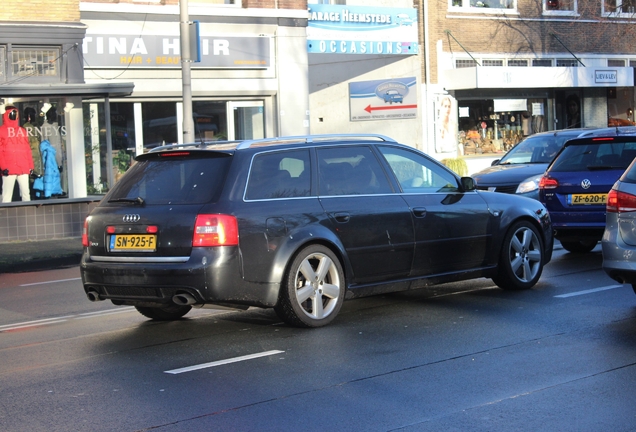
(133, 242)
(586, 199)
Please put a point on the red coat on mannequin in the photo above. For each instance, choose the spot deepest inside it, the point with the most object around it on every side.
(15, 152)
(16, 162)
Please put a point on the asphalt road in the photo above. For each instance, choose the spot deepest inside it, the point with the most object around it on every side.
(458, 357)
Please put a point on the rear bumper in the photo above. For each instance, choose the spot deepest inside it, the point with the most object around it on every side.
(210, 275)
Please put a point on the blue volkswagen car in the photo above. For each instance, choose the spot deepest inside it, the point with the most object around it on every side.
(574, 188)
(520, 169)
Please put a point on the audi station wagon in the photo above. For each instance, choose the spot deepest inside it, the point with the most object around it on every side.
(299, 224)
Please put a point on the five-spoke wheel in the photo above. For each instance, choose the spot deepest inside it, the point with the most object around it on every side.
(521, 261)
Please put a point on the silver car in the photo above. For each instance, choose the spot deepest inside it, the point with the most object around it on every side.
(619, 237)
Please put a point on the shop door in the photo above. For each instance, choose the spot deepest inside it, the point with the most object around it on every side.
(246, 120)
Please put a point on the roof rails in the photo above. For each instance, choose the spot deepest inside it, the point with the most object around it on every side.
(194, 144)
(312, 138)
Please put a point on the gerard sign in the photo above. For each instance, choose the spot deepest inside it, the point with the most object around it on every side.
(163, 51)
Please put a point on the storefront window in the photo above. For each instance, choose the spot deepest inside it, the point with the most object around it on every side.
(210, 120)
(159, 123)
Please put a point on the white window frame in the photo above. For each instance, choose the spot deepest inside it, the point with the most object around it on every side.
(621, 14)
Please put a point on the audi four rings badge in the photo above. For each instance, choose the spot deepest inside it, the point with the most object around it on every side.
(131, 218)
(585, 184)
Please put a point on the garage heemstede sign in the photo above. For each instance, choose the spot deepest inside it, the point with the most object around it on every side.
(341, 29)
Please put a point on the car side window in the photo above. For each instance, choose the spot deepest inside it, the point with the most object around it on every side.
(418, 174)
(279, 175)
(350, 171)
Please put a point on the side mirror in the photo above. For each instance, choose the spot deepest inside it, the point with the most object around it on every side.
(468, 184)
(495, 162)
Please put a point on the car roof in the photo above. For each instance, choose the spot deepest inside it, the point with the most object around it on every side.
(230, 146)
(610, 132)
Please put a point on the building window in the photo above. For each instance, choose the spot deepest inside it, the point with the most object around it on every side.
(492, 63)
(542, 62)
(632, 63)
(465, 63)
(558, 7)
(619, 7)
(522, 63)
(483, 5)
(567, 63)
(616, 63)
(35, 62)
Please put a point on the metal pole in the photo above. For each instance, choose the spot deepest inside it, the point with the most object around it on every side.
(186, 79)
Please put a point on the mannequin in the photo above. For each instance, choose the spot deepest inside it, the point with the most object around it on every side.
(52, 133)
(16, 162)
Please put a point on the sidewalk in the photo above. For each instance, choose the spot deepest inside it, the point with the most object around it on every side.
(18, 257)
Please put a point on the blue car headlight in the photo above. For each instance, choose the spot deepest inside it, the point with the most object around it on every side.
(530, 184)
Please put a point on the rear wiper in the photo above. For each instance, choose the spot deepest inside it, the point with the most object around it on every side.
(139, 200)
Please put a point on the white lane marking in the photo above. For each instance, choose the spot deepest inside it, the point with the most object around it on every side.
(56, 320)
(49, 282)
(222, 362)
(590, 291)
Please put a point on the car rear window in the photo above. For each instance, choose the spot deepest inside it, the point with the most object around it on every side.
(174, 180)
(595, 156)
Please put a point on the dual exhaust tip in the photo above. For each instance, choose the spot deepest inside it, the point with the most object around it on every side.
(182, 299)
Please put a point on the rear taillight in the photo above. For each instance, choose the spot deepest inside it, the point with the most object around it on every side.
(620, 202)
(85, 233)
(548, 183)
(215, 230)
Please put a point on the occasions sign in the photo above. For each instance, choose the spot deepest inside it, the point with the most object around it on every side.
(339, 29)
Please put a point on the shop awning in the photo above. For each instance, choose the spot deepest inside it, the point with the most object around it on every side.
(535, 77)
(84, 90)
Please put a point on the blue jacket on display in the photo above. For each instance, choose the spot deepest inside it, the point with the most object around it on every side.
(49, 184)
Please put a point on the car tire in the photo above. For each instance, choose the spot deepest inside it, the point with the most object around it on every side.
(579, 246)
(167, 313)
(299, 296)
(522, 258)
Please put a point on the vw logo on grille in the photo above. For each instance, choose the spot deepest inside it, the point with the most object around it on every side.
(585, 184)
(131, 218)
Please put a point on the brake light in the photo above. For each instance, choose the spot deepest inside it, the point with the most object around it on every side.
(215, 230)
(620, 202)
(85, 233)
(174, 153)
(548, 183)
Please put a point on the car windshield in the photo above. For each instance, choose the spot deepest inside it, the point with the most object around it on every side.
(595, 157)
(172, 180)
(536, 149)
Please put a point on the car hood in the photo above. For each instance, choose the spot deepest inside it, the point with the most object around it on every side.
(502, 174)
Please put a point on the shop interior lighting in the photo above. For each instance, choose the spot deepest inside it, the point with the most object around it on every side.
(45, 107)
(69, 106)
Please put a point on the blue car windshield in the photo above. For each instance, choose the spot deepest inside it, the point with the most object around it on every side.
(536, 149)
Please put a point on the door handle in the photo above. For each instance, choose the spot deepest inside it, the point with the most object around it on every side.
(419, 212)
(341, 217)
